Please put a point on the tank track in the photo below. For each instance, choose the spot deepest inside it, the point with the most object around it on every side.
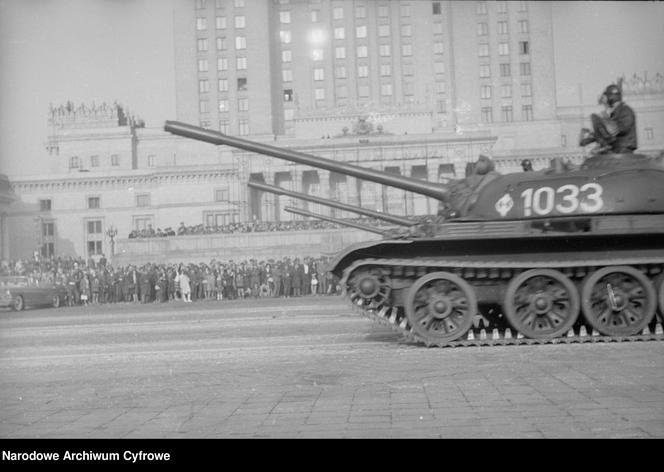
(484, 331)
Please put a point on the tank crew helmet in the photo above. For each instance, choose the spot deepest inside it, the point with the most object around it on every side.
(613, 94)
(526, 164)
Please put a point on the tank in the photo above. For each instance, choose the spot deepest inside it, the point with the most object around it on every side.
(565, 254)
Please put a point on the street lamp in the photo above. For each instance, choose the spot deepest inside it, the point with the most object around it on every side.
(112, 232)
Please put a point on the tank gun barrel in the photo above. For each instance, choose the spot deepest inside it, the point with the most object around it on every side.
(352, 224)
(331, 203)
(437, 191)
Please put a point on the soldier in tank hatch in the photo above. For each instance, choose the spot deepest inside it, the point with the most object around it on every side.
(614, 129)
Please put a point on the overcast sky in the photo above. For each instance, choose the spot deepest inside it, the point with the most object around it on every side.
(99, 51)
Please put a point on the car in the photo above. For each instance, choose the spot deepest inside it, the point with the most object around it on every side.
(19, 292)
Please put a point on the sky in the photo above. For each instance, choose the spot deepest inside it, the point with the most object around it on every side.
(86, 51)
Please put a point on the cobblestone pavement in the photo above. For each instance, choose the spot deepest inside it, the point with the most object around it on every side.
(305, 368)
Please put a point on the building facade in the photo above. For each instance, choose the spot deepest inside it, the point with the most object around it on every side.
(415, 88)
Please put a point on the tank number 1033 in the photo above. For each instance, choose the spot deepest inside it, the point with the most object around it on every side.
(565, 199)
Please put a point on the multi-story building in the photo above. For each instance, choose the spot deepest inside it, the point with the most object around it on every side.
(416, 88)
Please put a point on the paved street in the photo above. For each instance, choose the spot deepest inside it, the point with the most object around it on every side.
(305, 368)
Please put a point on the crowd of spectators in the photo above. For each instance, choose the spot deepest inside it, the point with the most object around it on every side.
(250, 227)
(92, 283)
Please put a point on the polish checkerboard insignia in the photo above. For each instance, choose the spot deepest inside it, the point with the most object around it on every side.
(504, 205)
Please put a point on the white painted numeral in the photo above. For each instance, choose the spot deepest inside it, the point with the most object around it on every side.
(565, 199)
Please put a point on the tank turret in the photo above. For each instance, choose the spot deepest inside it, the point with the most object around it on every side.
(550, 254)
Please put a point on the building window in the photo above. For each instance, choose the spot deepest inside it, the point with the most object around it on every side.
(407, 69)
(527, 112)
(360, 11)
(523, 26)
(386, 89)
(224, 126)
(338, 13)
(222, 63)
(385, 70)
(526, 90)
(339, 33)
(502, 27)
(94, 161)
(524, 68)
(437, 28)
(238, 3)
(203, 86)
(506, 91)
(200, 4)
(284, 17)
(240, 63)
(650, 134)
(287, 75)
(507, 114)
(439, 67)
(340, 72)
(407, 50)
(115, 160)
(223, 106)
(319, 94)
(505, 70)
(441, 106)
(482, 29)
(408, 89)
(285, 36)
(342, 91)
(481, 8)
(362, 51)
(203, 106)
(383, 30)
(502, 6)
(93, 203)
(340, 52)
(483, 50)
(222, 85)
(221, 195)
(503, 49)
(317, 54)
(485, 71)
(406, 31)
(383, 11)
(204, 124)
(438, 47)
(485, 91)
(93, 227)
(524, 47)
(385, 50)
(240, 22)
(286, 56)
(363, 91)
(243, 127)
(405, 10)
(289, 114)
(487, 115)
(142, 222)
(441, 87)
(319, 74)
(152, 160)
(243, 104)
(240, 42)
(74, 162)
(220, 22)
(361, 31)
(437, 9)
(363, 70)
(203, 65)
(563, 140)
(242, 84)
(143, 200)
(201, 24)
(45, 205)
(314, 16)
(202, 45)
(523, 6)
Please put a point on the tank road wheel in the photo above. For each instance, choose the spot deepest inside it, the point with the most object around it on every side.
(368, 289)
(618, 301)
(55, 301)
(541, 303)
(440, 307)
(18, 304)
(659, 287)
